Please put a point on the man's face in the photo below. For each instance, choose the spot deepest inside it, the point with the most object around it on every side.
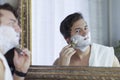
(80, 27)
(80, 35)
(8, 19)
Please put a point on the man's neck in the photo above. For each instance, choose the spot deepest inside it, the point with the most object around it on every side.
(84, 54)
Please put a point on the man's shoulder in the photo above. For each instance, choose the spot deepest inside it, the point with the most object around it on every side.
(2, 66)
(1, 63)
(56, 62)
(2, 69)
(101, 46)
(102, 49)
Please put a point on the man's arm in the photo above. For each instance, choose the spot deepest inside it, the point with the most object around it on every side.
(2, 70)
(65, 56)
(115, 62)
(22, 63)
(56, 62)
(18, 77)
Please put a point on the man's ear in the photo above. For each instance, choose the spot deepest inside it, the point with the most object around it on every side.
(68, 40)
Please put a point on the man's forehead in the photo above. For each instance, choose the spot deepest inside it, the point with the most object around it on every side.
(80, 23)
(1, 13)
(8, 14)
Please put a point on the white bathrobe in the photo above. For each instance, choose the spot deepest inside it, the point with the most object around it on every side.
(8, 74)
(101, 56)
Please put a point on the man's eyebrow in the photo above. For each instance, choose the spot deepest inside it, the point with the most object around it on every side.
(86, 25)
(13, 20)
(80, 28)
(77, 28)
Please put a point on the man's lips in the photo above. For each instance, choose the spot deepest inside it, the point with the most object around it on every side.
(86, 38)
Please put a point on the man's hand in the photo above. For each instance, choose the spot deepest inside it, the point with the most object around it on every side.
(22, 61)
(65, 55)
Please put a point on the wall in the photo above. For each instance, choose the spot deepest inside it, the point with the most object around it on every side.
(14, 3)
(99, 21)
(104, 21)
(115, 21)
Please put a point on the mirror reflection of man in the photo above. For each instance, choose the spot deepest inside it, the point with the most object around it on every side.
(80, 51)
(9, 38)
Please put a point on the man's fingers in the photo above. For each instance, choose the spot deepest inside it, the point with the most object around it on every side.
(15, 53)
(73, 52)
(66, 47)
(26, 52)
(67, 52)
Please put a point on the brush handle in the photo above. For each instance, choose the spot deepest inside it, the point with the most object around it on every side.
(19, 51)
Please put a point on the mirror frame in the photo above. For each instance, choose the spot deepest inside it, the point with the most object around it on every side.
(72, 73)
(57, 72)
(24, 10)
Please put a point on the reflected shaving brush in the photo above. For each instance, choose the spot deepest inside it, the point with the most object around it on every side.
(18, 49)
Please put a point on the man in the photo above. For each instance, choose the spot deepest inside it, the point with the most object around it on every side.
(80, 51)
(9, 38)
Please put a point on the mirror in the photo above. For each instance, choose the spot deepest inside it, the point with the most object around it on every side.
(44, 35)
(47, 40)
(43, 25)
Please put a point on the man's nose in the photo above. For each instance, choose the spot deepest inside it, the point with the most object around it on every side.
(84, 32)
(18, 29)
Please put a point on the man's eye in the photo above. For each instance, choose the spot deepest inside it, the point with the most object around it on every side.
(11, 23)
(85, 28)
(77, 31)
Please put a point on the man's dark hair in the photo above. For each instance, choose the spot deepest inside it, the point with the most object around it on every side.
(8, 7)
(67, 23)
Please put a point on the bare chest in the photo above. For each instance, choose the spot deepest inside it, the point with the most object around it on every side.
(79, 62)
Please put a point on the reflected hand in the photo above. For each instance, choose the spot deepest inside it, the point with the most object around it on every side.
(66, 54)
(22, 61)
